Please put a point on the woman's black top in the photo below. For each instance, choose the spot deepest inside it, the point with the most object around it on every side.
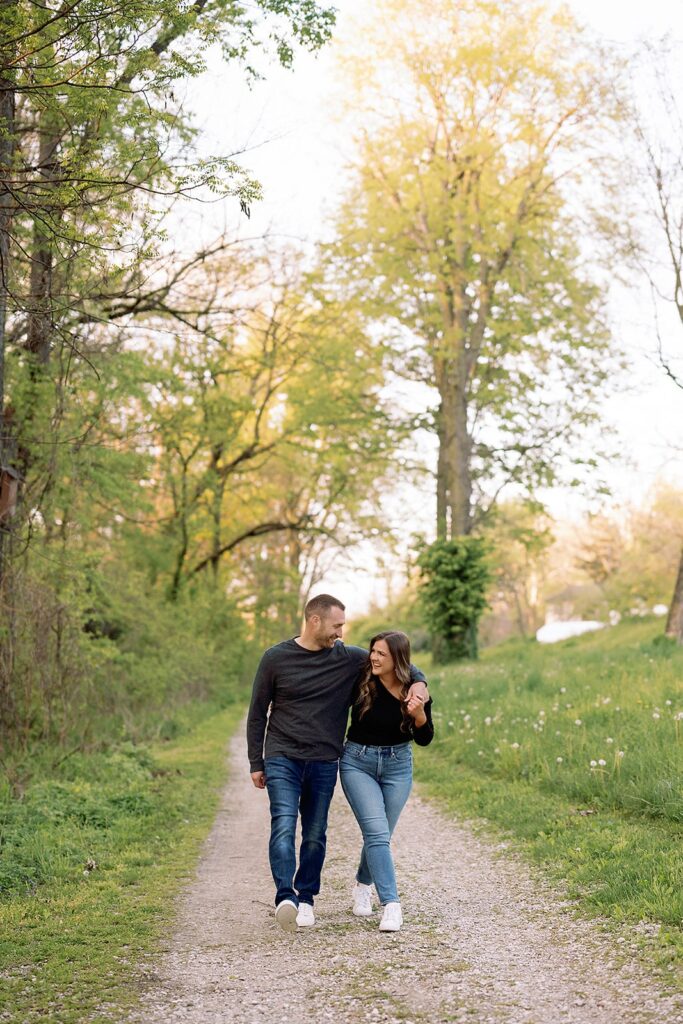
(381, 724)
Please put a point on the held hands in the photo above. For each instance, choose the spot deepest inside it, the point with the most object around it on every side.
(414, 705)
(259, 779)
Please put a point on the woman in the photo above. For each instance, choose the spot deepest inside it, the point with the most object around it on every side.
(376, 768)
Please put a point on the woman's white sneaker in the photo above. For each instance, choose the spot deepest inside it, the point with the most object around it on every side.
(392, 918)
(305, 918)
(362, 900)
(286, 914)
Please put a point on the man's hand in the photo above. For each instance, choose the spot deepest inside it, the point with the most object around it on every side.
(419, 689)
(259, 779)
(415, 708)
(418, 695)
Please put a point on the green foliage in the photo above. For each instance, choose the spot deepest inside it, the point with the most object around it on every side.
(274, 423)
(403, 613)
(576, 749)
(455, 575)
(520, 537)
(632, 554)
(92, 855)
(94, 654)
(460, 241)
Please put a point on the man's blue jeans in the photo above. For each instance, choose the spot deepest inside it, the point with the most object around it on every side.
(298, 787)
(377, 782)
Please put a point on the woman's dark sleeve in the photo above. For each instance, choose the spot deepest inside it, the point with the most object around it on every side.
(424, 734)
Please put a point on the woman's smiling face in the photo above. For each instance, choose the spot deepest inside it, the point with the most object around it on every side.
(380, 658)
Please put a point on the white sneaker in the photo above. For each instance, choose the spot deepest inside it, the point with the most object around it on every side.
(362, 900)
(285, 915)
(305, 918)
(392, 918)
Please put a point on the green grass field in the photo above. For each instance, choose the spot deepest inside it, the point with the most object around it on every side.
(575, 750)
(92, 855)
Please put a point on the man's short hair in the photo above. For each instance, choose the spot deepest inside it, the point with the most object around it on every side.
(321, 605)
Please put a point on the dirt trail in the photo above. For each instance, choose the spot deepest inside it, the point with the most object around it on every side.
(481, 942)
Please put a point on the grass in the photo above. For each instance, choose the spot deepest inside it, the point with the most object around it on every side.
(576, 751)
(92, 855)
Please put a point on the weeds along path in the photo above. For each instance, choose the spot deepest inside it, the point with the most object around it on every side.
(481, 942)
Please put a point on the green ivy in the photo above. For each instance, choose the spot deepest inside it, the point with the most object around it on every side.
(454, 577)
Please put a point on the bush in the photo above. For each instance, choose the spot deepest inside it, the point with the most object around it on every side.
(96, 654)
(455, 577)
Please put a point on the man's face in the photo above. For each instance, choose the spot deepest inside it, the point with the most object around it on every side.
(328, 628)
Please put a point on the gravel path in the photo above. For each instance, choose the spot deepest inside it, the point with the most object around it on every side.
(481, 943)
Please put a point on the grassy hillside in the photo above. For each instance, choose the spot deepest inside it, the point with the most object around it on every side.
(576, 750)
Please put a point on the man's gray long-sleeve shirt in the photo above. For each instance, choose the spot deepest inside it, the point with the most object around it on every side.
(309, 694)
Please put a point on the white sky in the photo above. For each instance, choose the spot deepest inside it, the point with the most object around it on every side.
(292, 146)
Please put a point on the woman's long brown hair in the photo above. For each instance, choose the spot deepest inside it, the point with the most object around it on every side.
(399, 648)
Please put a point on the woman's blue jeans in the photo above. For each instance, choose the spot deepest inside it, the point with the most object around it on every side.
(298, 787)
(377, 782)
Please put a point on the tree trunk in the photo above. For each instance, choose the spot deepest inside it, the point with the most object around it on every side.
(674, 622)
(7, 147)
(454, 478)
(441, 478)
(40, 312)
(39, 323)
(6, 162)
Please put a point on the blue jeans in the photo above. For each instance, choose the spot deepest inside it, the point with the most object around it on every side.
(376, 782)
(298, 787)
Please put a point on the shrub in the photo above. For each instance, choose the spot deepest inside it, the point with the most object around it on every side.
(455, 576)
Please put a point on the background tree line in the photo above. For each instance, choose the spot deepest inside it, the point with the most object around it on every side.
(196, 434)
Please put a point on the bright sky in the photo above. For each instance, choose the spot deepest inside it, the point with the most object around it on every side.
(293, 147)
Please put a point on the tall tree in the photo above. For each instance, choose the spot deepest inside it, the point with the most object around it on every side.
(94, 139)
(270, 423)
(659, 131)
(459, 233)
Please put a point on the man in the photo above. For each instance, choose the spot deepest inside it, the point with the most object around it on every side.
(307, 683)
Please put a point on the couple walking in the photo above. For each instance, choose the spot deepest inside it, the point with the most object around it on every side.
(295, 733)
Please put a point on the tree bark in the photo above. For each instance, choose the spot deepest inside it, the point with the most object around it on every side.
(454, 476)
(441, 475)
(39, 323)
(7, 148)
(674, 622)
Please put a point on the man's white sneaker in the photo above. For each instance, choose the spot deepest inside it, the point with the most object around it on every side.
(305, 918)
(362, 900)
(392, 918)
(286, 914)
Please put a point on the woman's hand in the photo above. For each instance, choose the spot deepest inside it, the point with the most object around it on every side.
(414, 705)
